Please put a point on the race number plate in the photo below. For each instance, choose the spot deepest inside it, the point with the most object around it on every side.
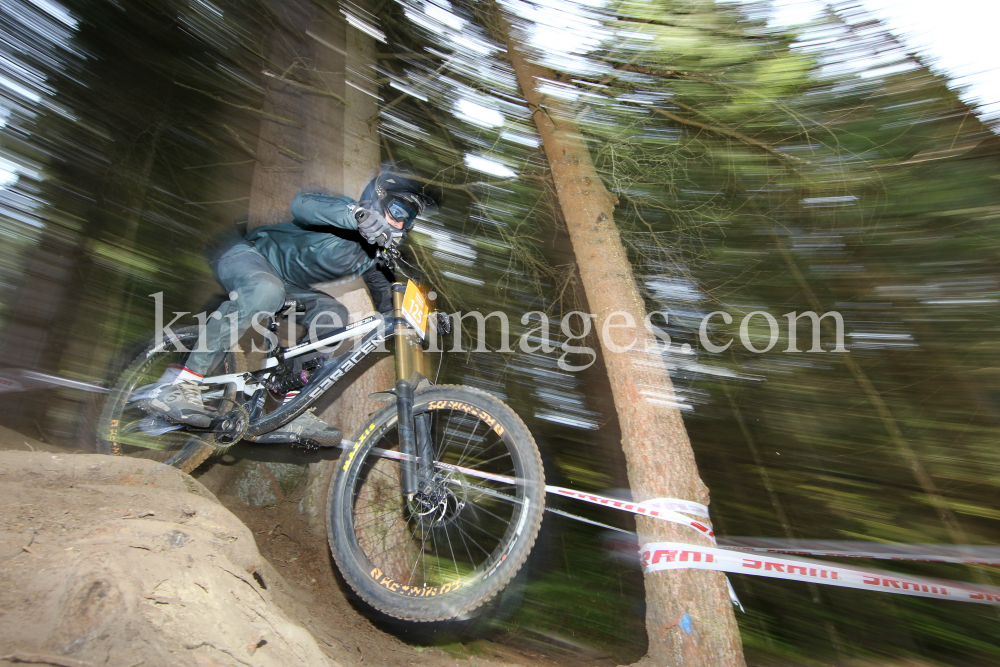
(415, 308)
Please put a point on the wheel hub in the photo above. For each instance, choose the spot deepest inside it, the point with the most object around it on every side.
(436, 504)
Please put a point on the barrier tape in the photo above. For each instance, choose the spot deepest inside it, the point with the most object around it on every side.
(674, 555)
(666, 509)
(659, 556)
(923, 553)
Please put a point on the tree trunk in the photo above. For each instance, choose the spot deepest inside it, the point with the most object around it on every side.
(278, 174)
(331, 144)
(689, 617)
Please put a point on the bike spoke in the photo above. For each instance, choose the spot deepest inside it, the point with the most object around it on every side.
(474, 542)
(465, 543)
(423, 561)
(482, 463)
(480, 507)
(460, 523)
(468, 441)
(486, 491)
(439, 453)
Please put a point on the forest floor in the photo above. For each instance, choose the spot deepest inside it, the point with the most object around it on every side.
(339, 622)
(303, 582)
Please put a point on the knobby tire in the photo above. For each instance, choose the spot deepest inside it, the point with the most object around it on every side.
(417, 565)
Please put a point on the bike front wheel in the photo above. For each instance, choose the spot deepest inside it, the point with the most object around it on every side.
(467, 531)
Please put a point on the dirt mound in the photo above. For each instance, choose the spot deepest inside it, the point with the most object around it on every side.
(122, 561)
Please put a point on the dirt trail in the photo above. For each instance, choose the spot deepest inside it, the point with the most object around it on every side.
(329, 611)
(117, 561)
(123, 561)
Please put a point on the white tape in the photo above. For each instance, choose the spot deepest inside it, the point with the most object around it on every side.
(676, 505)
(667, 509)
(924, 553)
(660, 556)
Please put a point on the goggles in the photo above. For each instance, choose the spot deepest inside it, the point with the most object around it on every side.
(401, 211)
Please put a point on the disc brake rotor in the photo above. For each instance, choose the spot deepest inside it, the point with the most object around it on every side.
(437, 505)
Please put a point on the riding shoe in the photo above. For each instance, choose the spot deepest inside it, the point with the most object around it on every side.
(307, 427)
(180, 402)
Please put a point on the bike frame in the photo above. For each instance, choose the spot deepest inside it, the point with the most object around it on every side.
(373, 331)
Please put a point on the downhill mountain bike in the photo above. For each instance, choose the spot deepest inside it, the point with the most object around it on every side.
(436, 502)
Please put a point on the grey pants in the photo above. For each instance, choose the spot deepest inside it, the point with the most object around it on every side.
(243, 272)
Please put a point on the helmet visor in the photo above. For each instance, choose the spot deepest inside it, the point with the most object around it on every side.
(401, 211)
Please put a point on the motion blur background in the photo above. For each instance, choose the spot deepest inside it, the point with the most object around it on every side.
(824, 166)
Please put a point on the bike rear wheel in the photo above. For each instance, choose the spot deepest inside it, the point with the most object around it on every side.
(126, 430)
(460, 540)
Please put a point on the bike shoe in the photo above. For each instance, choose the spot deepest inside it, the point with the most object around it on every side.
(306, 427)
(179, 402)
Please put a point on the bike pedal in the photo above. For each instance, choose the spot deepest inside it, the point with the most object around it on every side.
(307, 444)
(271, 439)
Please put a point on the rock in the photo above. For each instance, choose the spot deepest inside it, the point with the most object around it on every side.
(110, 560)
(262, 484)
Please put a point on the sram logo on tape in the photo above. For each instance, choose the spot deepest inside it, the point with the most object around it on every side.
(661, 556)
(674, 555)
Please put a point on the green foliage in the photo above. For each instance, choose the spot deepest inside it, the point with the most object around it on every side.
(754, 171)
(768, 172)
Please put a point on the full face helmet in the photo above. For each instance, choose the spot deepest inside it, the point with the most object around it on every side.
(401, 196)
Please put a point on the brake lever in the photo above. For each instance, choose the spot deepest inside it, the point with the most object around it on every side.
(391, 257)
(388, 256)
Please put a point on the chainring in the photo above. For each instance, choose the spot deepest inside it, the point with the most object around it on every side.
(229, 428)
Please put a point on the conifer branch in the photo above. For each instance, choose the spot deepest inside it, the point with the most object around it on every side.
(711, 31)
(729, 133)
(653, 71)
(312, 89)
(240, 106)
(220, 164)
(240, 141)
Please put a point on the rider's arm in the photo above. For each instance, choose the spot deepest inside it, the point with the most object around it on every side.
(379, 282)
(323, 210)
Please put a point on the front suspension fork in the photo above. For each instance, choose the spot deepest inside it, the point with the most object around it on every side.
(414, 433)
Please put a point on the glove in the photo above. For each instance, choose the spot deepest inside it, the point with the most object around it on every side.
(376, 229)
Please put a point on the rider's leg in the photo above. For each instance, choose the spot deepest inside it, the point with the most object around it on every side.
(323, 315)
(254, 288)
(379, 281)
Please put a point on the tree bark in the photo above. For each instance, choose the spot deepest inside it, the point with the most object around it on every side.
(331, 145)
(689, 618)
(279, 171)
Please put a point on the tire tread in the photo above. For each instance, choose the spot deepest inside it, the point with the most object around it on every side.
(372, 594)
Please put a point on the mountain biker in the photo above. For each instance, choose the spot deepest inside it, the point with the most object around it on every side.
(329, 238)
